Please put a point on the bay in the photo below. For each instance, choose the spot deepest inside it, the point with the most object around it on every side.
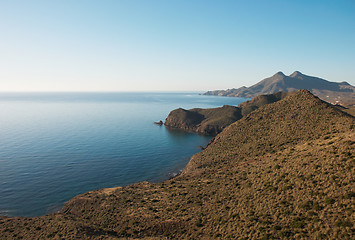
(54, 146)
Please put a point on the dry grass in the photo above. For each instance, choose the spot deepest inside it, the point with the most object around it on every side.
(284, 172)
(212, 121)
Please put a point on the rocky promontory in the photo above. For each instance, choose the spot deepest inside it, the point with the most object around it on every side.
(212, 121)
(205, 121)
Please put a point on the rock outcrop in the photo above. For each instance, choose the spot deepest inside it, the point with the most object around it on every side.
(160, 123)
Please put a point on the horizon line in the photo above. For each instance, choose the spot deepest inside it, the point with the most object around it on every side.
(105, 91)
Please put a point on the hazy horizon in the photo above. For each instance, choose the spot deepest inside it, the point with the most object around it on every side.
(175, 46)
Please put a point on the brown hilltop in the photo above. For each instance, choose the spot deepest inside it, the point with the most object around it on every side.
(259, 101)
(213, 120)
(299, 117)
(205, 121)
(286, 171)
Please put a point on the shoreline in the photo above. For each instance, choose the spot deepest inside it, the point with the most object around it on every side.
(252, 174)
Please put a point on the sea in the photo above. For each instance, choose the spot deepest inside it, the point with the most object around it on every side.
(54, 146)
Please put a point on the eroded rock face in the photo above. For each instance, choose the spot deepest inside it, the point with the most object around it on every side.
(212, 121)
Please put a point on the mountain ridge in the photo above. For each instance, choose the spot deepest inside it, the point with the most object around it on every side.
(334, 92)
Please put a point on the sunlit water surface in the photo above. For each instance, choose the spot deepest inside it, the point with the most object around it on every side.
(54, 146)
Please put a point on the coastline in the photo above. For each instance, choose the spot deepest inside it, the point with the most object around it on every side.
(260, 171)
(71, 146)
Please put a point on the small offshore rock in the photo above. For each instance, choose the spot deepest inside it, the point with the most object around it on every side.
(159, 123)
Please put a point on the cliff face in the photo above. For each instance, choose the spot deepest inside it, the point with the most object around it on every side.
(342, 93)
(285, 171)
(213, 120)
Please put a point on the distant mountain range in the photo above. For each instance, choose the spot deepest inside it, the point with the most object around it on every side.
(333, 92)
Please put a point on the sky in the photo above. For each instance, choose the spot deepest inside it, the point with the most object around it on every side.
(175, 45)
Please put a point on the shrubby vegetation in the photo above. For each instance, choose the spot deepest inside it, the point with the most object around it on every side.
(212, 121)
(284, 172)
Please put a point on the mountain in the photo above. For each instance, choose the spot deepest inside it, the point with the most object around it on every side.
(341, 93)
(212, 121)
(285, 171)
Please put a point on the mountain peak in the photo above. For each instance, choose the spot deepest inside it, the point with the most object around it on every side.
(324, 89)
(296, 73)
(280, 74)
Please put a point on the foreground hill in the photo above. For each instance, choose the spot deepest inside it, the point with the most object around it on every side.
(340, 93)
(212, 121)
(286, 171)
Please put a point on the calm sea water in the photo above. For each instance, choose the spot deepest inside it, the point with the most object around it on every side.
(54, 146)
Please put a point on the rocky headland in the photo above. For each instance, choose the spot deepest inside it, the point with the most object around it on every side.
(334, 92)
(204, 121)
(212, 121)
(285, 171)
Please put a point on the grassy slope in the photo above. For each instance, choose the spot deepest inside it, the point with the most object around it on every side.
(205, 121)
(213, 120)
(285, 171)
(259, 101)
(349, 110)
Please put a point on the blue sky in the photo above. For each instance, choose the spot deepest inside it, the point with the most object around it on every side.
(159, 45)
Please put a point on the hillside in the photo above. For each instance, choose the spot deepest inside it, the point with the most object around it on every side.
(286, 171)
(205, 121)
(212, 121)
(337, 93)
